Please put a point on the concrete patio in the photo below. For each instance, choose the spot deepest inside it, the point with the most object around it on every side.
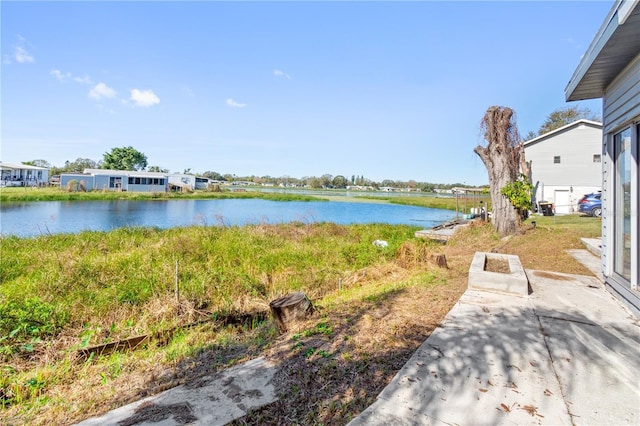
(567, 354)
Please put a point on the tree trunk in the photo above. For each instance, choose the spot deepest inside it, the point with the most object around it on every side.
(292, 307)
(501, 157)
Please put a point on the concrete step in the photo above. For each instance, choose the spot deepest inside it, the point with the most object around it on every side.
(594, 245)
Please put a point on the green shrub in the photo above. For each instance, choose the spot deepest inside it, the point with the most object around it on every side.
(23, 321)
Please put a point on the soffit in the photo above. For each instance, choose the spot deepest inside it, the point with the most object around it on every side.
(615, 46)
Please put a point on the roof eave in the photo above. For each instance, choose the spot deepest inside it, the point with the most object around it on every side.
(576, 123)
(580, 85)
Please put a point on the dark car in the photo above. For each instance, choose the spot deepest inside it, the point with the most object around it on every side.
(591, 204)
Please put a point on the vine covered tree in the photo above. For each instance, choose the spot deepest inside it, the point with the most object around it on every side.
(125, 158)
(501, 157)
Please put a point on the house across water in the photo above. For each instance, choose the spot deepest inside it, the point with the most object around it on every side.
(23, 175)
(132, 181)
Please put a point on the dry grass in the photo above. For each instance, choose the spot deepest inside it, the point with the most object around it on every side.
(371, 341)
(332, 366)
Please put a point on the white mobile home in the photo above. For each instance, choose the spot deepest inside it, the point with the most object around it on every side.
(133, 181)
(610, 69)
(117, 180)
(566, 164)
(22, 175)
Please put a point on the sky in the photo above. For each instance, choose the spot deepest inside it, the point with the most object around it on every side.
(385, 90)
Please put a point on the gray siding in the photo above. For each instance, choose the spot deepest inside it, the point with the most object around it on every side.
(621, 109)
(576, 148)
(66, 178)
(621, 102)
(101, 182)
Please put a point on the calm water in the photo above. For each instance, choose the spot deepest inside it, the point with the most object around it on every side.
(39, 218)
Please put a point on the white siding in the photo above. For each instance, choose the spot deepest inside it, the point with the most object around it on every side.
(576, 148)
(576, 173)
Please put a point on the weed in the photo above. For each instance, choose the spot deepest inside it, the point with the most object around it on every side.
(97, 287)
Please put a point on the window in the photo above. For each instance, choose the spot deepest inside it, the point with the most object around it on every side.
(622, 204)
(597, 158)
(115, 182)
(556, 159)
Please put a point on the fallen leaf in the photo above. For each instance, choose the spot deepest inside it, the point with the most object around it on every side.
(548, 392)
(530, 409)
(505, 408)
(483, 390)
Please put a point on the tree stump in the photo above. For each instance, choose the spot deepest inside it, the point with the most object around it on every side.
(440, 260)
(292, 307)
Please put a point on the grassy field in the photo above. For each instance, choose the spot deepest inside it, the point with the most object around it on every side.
(463, 203)
(198, 300)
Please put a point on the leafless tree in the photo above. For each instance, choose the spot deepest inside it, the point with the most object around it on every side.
(501, 157)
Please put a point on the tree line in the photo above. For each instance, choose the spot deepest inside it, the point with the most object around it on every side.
(129, 158)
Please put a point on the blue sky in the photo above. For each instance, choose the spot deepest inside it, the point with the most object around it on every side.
(388, 90)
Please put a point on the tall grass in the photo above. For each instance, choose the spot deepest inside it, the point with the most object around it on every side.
(60, 293)
(58, 194)
(121, 276)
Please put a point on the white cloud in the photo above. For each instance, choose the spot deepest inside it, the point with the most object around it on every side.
(279, 73)
(235, 104)
(20, 53)
(83, 80)
(144, 98)
(60, 75)
(100, 91)
(22, 56)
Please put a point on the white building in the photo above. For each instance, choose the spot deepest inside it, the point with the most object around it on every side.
(23, 175)
(566, 164)
(134, 181)
(610, 69)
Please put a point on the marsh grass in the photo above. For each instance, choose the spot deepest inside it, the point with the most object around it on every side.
(374, 306)
(61, 293)
(16, 194)
(463, 203)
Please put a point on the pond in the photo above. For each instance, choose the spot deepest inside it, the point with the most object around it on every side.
(55, 217)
